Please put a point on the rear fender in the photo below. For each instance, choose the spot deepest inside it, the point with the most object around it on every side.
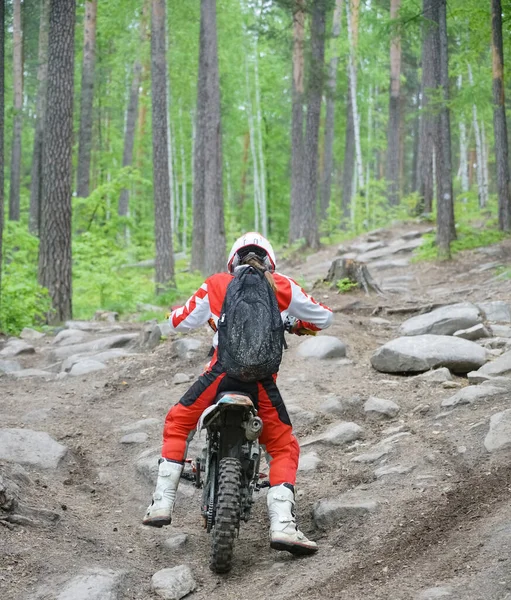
(224, 402)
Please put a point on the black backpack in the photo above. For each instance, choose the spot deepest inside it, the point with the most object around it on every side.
(250, 328)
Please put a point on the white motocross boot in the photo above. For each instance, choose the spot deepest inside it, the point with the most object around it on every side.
(283, 532)
(160, 510)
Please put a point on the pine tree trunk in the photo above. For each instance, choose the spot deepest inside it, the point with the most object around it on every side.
(428, 125)
(14, 193)
(2, 124)
(87, 97)
(164, 264)
(260, 149)
(316, 80)
(42, 73)
(393, 166)
(352, 26)
(198, 259)
(326, 177)
(499, 119)
(297, 148)
(55, 230)
(446, 231)
(349, 162)
(213, 191)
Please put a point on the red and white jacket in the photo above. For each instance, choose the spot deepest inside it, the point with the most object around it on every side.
(207, 303)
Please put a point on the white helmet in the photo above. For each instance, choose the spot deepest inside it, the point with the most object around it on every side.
(251, 242)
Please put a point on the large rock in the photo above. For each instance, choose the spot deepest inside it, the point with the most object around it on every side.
(309, 461)
(101, 357)
(322, 347)
(499, 435)
(88, 365)
(395, 247)
(16, 347)
(28, 447)
(186, 348)
(379, 408)
(329, 513)
(105, 343)
(416, 354)
(8, 366)
(174, 583)
(501, 366)
(93, 584)
(337, 435)
(67, 337)
(31, 334)
(436, 376)
(473, 333)
(497, 311)
(443, 321)
(471, 394)
(94, 326)
(31, 373)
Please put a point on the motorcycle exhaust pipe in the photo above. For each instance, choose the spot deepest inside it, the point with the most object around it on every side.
(253, 428)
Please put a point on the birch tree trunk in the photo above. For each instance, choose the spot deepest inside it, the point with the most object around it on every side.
(260, 150)
(87, 97)
(212, 139)
(297, 149)
(479, 146)
(484, 160)
(255, 162)
(55, 232)
(499, 119)
(164, 276)
(316, 79)
(42, 74)
(14, 191)
(446, 231)
(326, 177)
(393, 154)
(184, 203)
(352, 23)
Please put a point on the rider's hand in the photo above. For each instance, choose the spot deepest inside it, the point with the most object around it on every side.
(299, 328)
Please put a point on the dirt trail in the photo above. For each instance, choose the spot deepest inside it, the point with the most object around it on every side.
(444, 523)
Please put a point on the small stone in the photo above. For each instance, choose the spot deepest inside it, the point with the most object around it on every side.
(139, 437)
(173, 583)
(28, 447)
(186, 348)
(328, 514)
(180, 378)
(473, 333)
(83, 367)
(176, 542)
(371, 457)
(397, 470)
(436, 375)
(499, 434)
(337, 435)
(8, 366)
(322, 347)
(471, 394)
(31, 334)
(474, 377)
(332, 406)
(299, 416)
(451, 385)
(380, 321)
(309, 462)
(434, 593)
(501, 331)
(379, 408)
(497, 311)
(24, 373)
(142, 424)
(93, 584)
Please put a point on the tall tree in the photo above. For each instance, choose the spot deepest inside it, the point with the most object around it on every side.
(499, 119)
(297, 149)
(315, 92)
(55, 231)
(209, 133)
(161, 184)
(42, 74)
(14, 192)
(87, 97)
(2, 90)
(445, 199)
(326, 178)
(393, 132)
(198, 258)
(131, 117)
(428, 125)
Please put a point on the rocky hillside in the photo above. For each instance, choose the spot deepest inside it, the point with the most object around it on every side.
(401, 408)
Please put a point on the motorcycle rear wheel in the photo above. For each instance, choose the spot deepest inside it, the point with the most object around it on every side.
(227, 515)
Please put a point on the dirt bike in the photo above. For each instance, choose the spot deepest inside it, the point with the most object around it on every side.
(228, 471)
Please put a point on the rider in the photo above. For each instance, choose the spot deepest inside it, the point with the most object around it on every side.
(276, 435)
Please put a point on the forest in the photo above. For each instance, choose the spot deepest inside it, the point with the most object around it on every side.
(138, 138)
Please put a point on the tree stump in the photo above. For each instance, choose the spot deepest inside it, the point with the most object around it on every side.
(354, 271)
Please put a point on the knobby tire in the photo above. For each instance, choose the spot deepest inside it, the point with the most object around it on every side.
(227, 515)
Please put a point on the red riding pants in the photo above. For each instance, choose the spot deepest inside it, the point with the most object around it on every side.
(276, 436)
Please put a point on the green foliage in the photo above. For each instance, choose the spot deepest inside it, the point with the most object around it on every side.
(346, 285)
(23, 301)
(468, 238)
